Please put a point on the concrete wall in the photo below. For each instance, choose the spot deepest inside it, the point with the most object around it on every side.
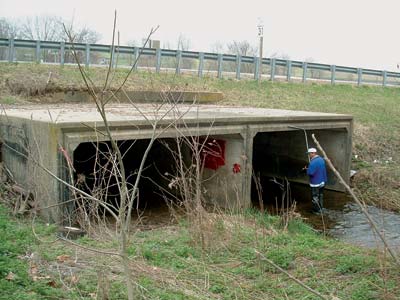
(224, 186)
(27, 148)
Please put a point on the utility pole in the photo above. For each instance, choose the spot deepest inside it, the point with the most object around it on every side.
(260, 27)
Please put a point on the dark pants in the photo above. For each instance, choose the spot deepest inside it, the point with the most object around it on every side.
(317, 194)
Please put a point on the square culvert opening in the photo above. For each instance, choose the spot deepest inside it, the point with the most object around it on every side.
(96, 176)
(278, 160)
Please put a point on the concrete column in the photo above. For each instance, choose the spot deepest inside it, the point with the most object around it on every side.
(288, 70)
(248, 137)
(201, 64)
(226, 187)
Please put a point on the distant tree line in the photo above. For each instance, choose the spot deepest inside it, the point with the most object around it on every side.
(44, 28)
(52, 28)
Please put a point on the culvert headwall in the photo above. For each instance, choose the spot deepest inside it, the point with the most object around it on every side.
(239, 141)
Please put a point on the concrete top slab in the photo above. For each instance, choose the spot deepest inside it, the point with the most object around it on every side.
(71, 115)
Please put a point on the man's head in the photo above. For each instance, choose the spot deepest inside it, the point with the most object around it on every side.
(312, 152)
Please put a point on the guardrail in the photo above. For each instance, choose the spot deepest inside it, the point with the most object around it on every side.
(202, 63)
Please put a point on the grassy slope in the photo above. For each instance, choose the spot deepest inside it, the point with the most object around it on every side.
(168, 262)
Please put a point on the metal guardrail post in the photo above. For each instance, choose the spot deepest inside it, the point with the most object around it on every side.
(333, 74)
(384, 78)
(136, 57)
(273, 68)
(201, 64)
(11, 50)
(158, 60)
(256, 68)
(359, 76)
(288, 70)
(220, 59)
(37, 52)
(178, 61)
(238, 65)
(304, 71)
(87, 51)
(62, 53)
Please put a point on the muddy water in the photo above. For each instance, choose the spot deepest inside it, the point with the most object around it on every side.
(352, 226)
(343, 219)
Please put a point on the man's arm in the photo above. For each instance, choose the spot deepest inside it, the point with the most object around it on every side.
(311, 168)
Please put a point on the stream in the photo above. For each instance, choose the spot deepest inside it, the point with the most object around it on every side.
(343, 219)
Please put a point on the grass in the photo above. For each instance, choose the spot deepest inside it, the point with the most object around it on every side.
(169, 264)
(16, 244)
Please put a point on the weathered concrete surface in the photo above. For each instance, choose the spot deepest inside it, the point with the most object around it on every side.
(202, 97)
(49, 134)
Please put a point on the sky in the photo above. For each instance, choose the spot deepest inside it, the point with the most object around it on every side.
(354, 33)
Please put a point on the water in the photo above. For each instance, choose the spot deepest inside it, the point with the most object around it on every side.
(352, 226)
(344, 220)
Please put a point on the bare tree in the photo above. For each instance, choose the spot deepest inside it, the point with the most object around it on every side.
(50, 28)
(43, 27)
(280, 55)
(183, 43)
(243, 48)
(8, 29)
(82, 35)
(217, 47)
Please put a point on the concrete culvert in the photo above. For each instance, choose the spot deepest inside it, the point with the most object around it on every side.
(262, 139)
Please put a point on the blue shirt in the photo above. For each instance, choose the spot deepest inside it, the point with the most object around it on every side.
(317, 172)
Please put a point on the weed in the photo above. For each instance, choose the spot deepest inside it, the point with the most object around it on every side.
(354, 263)
(16, 240)
(8, 100)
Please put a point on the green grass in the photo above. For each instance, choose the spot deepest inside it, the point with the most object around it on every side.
(172, 264)
(17, 241)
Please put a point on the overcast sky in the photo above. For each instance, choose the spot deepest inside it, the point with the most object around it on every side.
(359, 33)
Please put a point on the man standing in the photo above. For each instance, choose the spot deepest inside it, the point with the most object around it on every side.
(317, 172)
